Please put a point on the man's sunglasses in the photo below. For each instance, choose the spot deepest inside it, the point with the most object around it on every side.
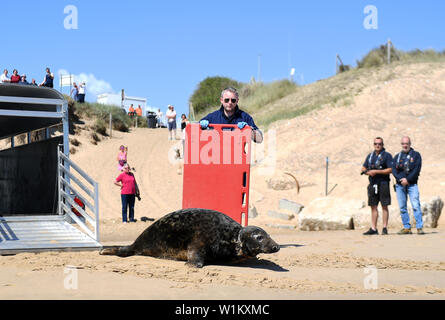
(228, 100)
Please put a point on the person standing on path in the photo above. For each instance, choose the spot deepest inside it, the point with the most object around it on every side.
(378, 166)
(122, 157)
(129, 189)
(406, 169)
(171, 119)
(75, 92)
(82, 92)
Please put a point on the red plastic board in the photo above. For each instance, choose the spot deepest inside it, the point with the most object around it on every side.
(217, 170)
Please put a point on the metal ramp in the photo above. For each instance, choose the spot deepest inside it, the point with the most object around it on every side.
(42, 233)
(24, 110)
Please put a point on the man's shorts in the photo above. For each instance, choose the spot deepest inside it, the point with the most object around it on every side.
(381, 194)
(172, 125)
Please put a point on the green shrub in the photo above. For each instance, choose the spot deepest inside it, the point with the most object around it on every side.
(378, 57)
(75, 142)
(209, 91)
(101, 113)
(120, 125)
(142, 122)
(100, 126)
(95, 138)
(418, 55)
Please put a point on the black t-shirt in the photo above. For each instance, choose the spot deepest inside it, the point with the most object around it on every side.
(378, 162)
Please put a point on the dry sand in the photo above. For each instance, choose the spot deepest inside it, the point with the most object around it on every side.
(310, 265)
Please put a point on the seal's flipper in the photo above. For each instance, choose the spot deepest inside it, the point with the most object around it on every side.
(121, 251)
(196, 254)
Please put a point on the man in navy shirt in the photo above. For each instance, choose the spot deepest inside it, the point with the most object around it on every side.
(230, 113)
(378, 166)
(406, 169)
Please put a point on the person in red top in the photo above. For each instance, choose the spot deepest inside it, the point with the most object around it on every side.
(15, 78)
(129, 190)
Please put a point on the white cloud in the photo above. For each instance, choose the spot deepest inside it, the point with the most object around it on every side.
(94, 86)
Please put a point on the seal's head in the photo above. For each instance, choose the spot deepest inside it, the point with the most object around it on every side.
(255, 240)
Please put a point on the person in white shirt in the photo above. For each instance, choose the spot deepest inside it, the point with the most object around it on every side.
(171, 122)
(81, 94)
(4, 77)
(159, 115)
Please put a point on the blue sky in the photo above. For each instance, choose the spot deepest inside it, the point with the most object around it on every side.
(162, 50)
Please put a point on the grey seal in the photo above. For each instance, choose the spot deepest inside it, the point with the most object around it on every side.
(198, 236)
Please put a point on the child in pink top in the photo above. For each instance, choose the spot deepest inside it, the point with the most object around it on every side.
(122, 157)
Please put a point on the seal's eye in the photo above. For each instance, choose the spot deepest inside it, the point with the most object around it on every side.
(259, 238)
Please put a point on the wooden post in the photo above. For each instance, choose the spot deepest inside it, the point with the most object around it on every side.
(327, 171)
(389, 51)
(336, 64)
(111, 128)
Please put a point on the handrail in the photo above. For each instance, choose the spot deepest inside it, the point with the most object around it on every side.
(77, 194)
(76, 206)
(66, 196)
(78, 169)
(79, 183)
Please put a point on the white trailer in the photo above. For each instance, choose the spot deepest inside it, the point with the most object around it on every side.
(39, 184)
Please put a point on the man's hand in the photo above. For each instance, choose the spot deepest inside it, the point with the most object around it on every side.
(404, 182)
(204, 124)
(241, 125)
(372, 173)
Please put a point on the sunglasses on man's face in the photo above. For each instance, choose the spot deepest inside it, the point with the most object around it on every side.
(228, 100)
(378, 144)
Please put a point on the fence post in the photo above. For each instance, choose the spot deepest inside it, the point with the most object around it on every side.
(389, 51)
(327, 172)
(336, 64)
(111, 131)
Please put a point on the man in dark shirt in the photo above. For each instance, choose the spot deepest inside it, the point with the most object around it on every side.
(406, 169)
(378, 166)
(230, 113)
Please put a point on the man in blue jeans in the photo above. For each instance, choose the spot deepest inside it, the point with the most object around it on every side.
(406, 169)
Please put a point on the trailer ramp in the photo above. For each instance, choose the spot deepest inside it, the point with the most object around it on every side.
(42, 233)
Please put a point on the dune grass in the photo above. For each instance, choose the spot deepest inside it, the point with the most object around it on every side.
(100, 113)
(257, 95)
(336, 91)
